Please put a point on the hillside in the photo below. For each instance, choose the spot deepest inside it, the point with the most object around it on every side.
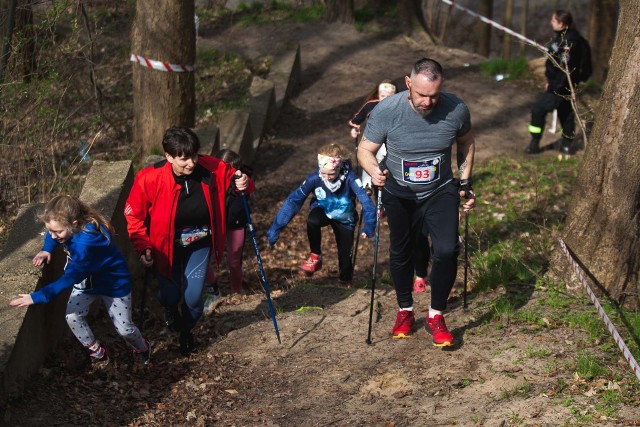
(504, 370)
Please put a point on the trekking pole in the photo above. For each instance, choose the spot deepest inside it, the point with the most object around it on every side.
(263, 278)
(376, 240)
(145, 284)
(466, 262)
(357, 168)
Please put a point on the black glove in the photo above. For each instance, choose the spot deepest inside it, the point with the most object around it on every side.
(465, 185)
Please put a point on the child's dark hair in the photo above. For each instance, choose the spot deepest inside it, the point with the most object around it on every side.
(230, 157)
(68, 210)
(180, 141)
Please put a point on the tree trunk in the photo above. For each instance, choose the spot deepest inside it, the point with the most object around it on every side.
(340, 11)
(603, 224)
(8, 25)
(483, 31)
(603, 19)
(24, 23)
(413, 16)
(508, 21)
(17, 28)
(162, 31)
(523, 23)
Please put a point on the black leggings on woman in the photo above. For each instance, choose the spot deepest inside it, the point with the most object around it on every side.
(344, 239)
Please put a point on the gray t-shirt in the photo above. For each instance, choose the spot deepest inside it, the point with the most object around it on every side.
(418, 148)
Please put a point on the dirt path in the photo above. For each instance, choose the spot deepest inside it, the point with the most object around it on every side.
(324, 373)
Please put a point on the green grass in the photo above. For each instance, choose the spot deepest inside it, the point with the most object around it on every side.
(522, 207)
(536, 353)
(521, 389)
(588, 367)
(609, 403)
(502, 310)
(521, 204)
(511, 69)
(501, 349)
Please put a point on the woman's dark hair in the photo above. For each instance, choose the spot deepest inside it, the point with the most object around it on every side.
(230, 157)
(180, 142)
(565, 17)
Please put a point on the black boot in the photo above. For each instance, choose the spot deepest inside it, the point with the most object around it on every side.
(172, 318)
(566, 146)
(187, 343)
(534, 146)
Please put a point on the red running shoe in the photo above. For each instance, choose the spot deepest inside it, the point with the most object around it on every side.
(404, 324)
(441, 335)
(419, 285)
(312, 264)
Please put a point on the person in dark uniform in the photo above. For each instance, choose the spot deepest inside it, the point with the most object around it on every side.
(566, 50)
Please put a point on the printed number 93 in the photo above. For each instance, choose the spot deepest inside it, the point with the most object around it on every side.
(422, 174)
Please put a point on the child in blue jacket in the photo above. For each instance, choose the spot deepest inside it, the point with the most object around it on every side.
(95, 269)
(335, 186)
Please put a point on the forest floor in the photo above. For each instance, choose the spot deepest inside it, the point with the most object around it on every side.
(324, 373)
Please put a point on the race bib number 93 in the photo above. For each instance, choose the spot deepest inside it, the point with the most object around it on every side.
(421, 171)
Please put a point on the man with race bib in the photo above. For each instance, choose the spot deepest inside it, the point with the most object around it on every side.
(419, 126)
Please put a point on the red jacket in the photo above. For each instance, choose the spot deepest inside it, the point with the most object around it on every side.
(151, 207)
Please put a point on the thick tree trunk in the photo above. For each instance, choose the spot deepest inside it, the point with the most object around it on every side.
(340, 11)
(483, 31)
(603, 19)
(603, 224)
(162, 31)
(17, 24)
(414, 16)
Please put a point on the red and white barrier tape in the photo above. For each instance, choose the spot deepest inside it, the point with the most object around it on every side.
(161, 66)
(612, 329)
(495, 24)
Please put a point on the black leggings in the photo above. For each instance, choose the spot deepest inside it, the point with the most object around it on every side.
(344, 239)
(421, 255)
(437, 216)
(422, 251)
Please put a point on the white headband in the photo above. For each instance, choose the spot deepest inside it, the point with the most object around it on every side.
(328, 162)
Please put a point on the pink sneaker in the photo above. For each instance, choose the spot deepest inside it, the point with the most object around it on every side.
(312, 264)
(404, 324)
(441, 335)
(419, 285)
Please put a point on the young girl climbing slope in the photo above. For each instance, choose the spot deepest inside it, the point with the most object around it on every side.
(380, 92)
(96, 270)
(334, 185)
(235, 227)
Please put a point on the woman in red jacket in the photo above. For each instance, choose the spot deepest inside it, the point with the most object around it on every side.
(175, 214)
